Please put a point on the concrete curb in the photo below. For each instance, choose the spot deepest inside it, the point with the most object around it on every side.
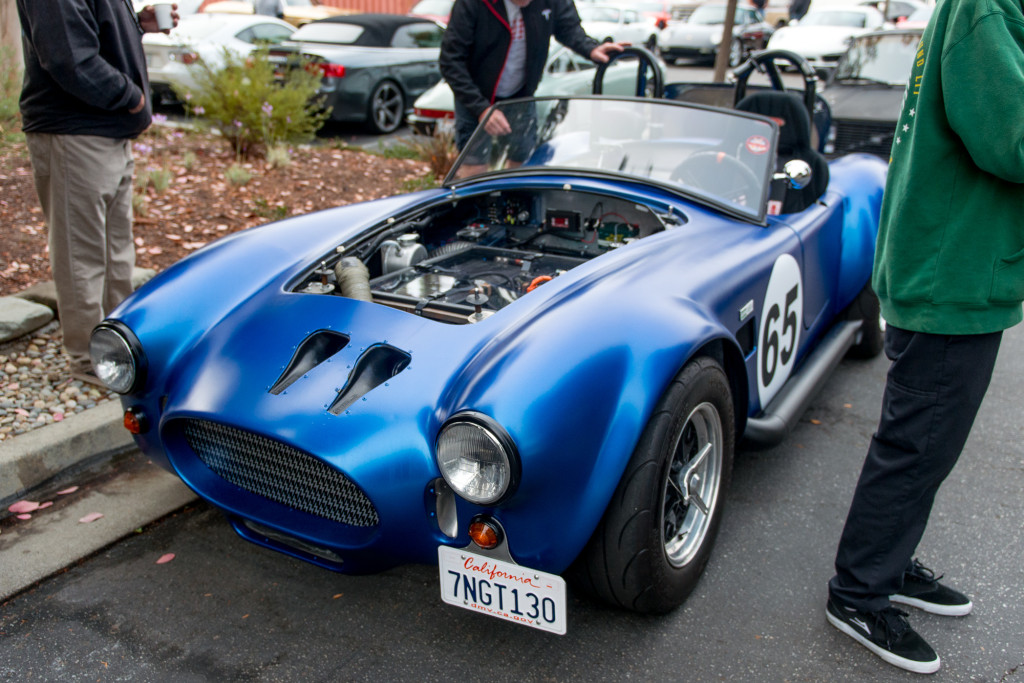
(43, 455)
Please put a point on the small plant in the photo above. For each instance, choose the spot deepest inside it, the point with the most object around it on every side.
(188, 160)
(438, 150)
(255, 104)
(399, 149)
(160, 179)
(263, 209)
(427, 182)
(139, 203)
(237, 174)
(278, 156)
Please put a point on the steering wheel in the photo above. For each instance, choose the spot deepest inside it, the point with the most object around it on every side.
(711, 171)
(647, 61)
(764, 62)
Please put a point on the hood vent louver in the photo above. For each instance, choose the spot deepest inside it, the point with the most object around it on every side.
(377, 365)
(314, 350)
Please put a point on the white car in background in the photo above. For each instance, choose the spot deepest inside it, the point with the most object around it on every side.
(565, 73)
(170, 58)
(608, 23)
(822, 35)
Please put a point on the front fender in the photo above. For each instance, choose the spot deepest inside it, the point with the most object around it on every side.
(575, 395)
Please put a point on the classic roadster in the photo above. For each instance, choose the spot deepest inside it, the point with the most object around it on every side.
(541, 368)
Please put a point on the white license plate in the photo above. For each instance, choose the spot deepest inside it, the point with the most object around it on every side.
(446, 125)
(502, 589)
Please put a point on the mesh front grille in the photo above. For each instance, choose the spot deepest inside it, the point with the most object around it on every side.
(279, 473)
(869, 137)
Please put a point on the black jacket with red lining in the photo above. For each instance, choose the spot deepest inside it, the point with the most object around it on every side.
(477, 40)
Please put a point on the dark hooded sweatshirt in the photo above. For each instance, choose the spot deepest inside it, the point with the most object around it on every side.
(84, 68)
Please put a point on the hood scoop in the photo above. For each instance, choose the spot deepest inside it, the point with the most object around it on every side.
(314, 350)
(378, 364)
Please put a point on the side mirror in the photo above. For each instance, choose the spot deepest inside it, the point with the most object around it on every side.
(796, 173)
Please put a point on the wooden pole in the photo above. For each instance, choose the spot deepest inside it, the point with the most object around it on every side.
(722, 58)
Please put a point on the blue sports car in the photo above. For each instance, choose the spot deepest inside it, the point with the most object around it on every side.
(542, 368)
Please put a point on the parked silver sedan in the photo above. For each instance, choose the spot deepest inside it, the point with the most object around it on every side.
(701, 34)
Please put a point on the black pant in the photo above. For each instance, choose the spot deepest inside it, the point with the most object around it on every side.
(932, 394)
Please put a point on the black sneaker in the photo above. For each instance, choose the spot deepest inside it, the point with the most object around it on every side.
(921, 589)
(887, 634)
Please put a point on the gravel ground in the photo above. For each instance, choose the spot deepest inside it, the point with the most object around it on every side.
(36, 388)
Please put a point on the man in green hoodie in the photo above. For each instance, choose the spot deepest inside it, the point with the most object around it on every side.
(949, 272)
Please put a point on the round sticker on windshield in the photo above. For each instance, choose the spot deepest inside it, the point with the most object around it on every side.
(781, 323)
(757, 144)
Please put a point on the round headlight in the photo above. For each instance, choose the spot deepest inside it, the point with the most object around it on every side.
(477, 459)
(114, 358)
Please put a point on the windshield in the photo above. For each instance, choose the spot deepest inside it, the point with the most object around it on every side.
(708, 14)
(599, 14)
(835, 18)
(722, 157)
(881, 58)
(328, 32)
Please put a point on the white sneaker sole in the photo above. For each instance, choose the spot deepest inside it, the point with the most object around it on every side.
(895, 660)
(932, 608)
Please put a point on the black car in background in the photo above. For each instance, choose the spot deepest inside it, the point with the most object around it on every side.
(865, 92)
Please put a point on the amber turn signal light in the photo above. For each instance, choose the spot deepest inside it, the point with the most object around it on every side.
(135, 421)
(485, 533)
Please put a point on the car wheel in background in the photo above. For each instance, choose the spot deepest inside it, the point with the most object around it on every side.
(872, 337)
(387, 108)
(735, 53)
(655, 538)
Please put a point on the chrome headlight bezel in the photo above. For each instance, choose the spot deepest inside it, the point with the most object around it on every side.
(501, 453)
(117, 357)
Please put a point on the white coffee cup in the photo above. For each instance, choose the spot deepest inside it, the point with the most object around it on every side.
(162, 11)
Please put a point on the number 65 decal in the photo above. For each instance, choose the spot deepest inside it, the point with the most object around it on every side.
(781, 322)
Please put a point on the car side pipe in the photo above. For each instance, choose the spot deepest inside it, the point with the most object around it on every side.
(783, 412)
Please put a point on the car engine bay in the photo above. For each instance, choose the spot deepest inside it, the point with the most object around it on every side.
(460, 261)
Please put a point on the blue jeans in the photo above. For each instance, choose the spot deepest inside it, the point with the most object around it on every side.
(932, 394)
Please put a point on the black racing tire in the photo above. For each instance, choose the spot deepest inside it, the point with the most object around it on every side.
(872, 336)
(386, 110)
(652, 544)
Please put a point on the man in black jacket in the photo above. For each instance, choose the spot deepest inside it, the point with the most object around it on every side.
(82, 102)
(496, 49)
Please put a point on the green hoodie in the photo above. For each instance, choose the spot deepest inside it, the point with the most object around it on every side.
(950, 254)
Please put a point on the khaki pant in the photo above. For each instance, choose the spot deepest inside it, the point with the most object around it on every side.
(84, 183)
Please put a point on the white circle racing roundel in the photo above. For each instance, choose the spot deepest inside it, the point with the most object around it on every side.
(781, 322)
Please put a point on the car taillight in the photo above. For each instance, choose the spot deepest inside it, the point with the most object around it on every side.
(185, 57)
(434, 113)
(332, 70)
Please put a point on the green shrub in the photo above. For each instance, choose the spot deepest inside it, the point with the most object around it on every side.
(252, 107)
(10, 91)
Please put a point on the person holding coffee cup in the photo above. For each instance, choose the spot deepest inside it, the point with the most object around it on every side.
(83, 100)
